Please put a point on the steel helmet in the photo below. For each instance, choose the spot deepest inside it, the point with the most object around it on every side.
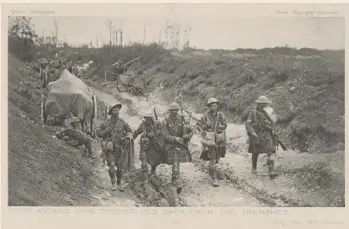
(211, 100)
(118, 105)
(147, 114)
(174, 106)
(263, 99)
(74, 120)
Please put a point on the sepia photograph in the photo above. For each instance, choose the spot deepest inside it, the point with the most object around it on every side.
(170, 109)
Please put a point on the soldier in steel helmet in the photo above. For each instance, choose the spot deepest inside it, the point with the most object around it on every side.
(151, 151)
(214, 122)
(260, 130)
(177, 136)
(117, 133)
(75, 137)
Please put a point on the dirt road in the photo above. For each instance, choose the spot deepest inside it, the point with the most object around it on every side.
(197, 192)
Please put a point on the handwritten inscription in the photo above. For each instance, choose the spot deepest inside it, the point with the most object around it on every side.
(32, 12)
(306, 13)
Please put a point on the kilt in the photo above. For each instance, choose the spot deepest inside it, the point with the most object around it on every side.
(265, 144)
(213, 152)
(114, 156)
(152, 156)
(179, 154)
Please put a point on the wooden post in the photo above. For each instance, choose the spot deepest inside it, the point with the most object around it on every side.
(105, 76)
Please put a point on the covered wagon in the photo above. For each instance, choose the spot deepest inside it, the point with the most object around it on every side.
(66, 97)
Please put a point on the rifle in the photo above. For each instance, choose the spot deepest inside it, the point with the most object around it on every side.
(155, 114)
(276, 138)
(277, 142)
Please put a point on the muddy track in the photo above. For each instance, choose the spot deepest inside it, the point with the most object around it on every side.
(159, 191)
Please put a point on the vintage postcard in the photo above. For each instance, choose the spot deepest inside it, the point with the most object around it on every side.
(171, 115)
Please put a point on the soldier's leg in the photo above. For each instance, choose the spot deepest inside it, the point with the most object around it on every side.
(175, 173)
(270, 163)
(120, 171)
(214, 170)
(120, 174)
(254, 162)
(176, 176)
(144, 166)
(111, 171)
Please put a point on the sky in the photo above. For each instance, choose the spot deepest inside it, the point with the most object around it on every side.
(212, 32)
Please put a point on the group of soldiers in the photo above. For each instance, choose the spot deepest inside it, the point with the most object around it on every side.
(167, 142)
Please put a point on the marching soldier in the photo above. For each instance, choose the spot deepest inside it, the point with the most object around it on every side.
(151, 151)
(177, 136)
(75, 137)
(116, 133)
(260, 130)
(214, 122)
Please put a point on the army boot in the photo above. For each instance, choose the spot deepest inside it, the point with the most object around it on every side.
(119, 178)
(214, 176)
(176, 183)
(272, 174)
(92, 156)
(113, 184)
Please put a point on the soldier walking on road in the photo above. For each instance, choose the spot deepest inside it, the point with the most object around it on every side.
(116, 133)
(151, 151)
(214, 122)
(75, 137)
(260, 130)
(177, 136)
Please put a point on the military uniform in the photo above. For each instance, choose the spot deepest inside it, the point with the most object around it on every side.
(214, 122)
(76, 137)
(151, 150)
(261, 136)
(113, 131)
(177, 136)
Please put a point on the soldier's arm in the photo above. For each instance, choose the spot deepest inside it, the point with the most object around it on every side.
(102, 132)
(166, 134)
(138, 131)
(248, 124)
(223, 121)
(205, 124)
(61, 134)
(188, 133)
(128, 128)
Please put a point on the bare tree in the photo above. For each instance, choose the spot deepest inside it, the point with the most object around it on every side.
(56, 31)
(121, 33)
(110, 27)
(187, 37)
(116, 37)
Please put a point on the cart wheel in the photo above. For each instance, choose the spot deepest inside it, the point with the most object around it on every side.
(121, 86)
(130, 85)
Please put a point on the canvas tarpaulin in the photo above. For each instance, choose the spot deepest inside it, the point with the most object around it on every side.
(68, 95)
